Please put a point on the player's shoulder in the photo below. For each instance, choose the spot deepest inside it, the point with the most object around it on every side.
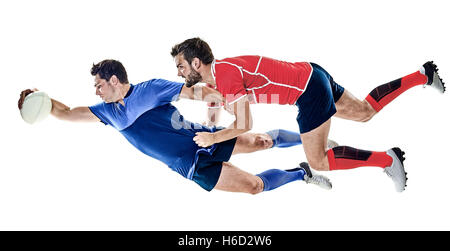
(239, 60)
(156, 82)
(149, 82)
(246, 62)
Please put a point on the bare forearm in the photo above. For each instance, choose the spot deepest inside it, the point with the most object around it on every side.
(227, 134)
(59, 110)
(243, 123)
(62, 111)
(77, 114)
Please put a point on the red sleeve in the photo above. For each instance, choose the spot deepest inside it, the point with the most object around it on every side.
(229, 82)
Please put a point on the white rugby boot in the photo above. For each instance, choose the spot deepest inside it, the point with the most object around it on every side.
(431, 71)
(312, 177)
(397, 171)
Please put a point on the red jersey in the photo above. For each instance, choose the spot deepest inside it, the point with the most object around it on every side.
(263, 79)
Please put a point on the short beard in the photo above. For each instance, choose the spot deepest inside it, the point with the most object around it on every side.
(193, 78)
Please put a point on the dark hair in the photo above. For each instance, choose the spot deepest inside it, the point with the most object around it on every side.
(109, 67)
(194, 48)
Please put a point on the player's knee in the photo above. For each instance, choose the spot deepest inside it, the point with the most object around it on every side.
(242, 141)
(256, 186)
(367, 112)
(368, 115)
(263, 142)
(319, 164)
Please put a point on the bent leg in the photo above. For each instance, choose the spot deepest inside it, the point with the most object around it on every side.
(315, 146)
(351, 108)
(316, 107)
(341, 157)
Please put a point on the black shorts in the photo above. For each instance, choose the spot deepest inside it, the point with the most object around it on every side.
(317, 104)
(208, 167)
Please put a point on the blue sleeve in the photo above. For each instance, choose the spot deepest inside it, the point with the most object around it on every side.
(99, 111)
(162, 91)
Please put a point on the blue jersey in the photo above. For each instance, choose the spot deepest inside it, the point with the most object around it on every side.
(154, 126)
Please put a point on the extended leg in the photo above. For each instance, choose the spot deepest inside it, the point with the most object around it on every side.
(232, 179)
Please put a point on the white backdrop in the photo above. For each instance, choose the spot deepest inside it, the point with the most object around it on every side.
(61, 176)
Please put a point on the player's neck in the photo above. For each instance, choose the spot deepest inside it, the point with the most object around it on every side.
(207, 75)
(124, 88)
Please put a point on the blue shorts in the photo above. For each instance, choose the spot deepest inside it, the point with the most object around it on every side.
(317, 104)
(208, 167)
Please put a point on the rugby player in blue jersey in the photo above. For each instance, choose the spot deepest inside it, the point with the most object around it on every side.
(144, 115)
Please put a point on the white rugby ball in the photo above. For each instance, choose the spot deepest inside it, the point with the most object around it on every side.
(36, 107)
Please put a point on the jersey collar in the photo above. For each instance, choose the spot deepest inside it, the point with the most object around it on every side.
(129, 91)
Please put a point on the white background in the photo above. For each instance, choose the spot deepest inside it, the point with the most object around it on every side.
(61, 176)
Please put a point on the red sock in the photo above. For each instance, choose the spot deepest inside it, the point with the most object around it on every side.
(345, 157)
(384, 94)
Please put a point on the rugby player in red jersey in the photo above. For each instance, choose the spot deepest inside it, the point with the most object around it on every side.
(244, 80)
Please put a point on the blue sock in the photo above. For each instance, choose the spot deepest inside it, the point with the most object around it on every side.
(284, 138)
(275, 178)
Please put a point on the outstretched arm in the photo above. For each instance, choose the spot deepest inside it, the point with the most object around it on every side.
(63, 112)
(77, 114)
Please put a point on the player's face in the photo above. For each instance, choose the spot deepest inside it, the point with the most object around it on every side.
(104, 89)
(186, 71)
